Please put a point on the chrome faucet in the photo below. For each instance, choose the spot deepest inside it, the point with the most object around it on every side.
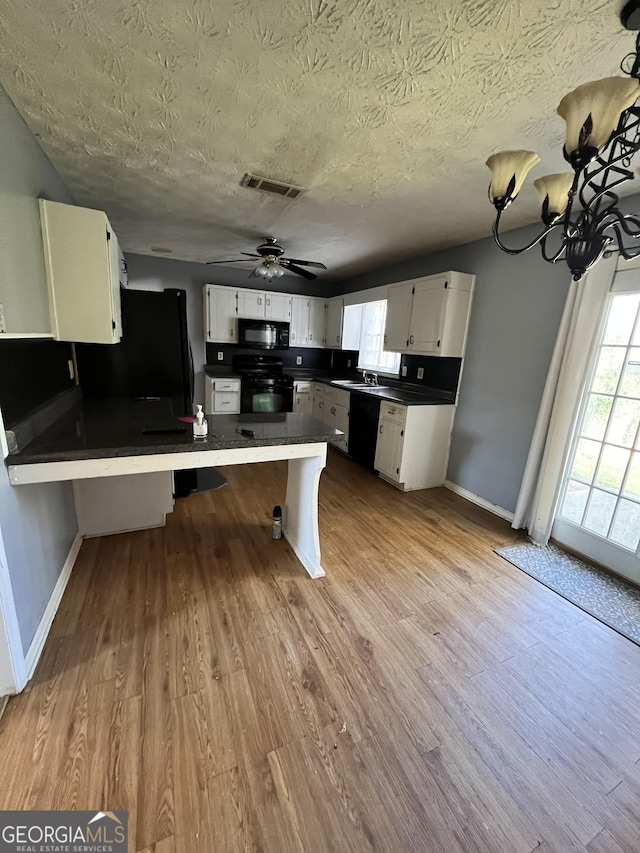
(370, 378)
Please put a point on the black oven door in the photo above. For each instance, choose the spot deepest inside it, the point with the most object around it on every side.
(265, 396)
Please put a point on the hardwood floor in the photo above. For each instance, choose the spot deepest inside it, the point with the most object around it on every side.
(424, 696)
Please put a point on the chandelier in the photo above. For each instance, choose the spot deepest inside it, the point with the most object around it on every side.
(580, 208)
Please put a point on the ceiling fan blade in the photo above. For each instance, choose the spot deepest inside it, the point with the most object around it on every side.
(305, 263)
(250, 255)
(230, 261)
(297, 270)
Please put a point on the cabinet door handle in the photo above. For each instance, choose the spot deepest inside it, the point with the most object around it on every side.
(333, 410)
(381, 427)
(268, 302)
(259, 300)
(231, 330)
(411, 339)
(321, 405)
(310, 337)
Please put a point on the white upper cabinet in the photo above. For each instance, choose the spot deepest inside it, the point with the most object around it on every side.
(335, 312)
(317, 322)
(83, 266)
(430, 316)
(278, 307)
(221, 313)
(251, 304)
(308, 321)
(396, 329)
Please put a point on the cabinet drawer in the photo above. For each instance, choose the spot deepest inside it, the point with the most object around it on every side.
(391, 412)
(302, 387)
(319, 389)
(223, 402)
(226, 385)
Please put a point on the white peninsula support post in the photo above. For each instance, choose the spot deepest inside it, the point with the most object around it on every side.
(300, 519)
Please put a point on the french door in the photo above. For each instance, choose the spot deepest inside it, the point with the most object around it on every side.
(598, 512)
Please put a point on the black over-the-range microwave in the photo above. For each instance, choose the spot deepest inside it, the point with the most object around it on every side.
(263, 334)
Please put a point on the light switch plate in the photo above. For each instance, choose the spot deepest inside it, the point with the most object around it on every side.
(220, 356)
(298, 359)
(421, 373)
(404, 369)
(348, 362)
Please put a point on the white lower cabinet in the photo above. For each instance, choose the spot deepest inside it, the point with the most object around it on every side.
(222, 396)
(331, 406)
(412, 451)
(303, 398)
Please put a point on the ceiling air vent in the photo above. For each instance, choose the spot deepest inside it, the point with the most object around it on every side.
(255, 182)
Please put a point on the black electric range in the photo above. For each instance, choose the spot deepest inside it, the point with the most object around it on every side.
(264, 388)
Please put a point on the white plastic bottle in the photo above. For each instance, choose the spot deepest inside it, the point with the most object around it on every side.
(200, 425)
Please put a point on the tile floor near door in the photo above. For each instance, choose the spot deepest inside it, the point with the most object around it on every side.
(424, 696)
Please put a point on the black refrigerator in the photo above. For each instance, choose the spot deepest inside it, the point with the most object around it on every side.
(153, 359)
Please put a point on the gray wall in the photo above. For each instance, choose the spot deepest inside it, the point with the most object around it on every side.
(38, 522)
(515, 317)
(25, 175)
(153, 273)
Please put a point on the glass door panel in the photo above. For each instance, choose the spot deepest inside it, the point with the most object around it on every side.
(599, 508)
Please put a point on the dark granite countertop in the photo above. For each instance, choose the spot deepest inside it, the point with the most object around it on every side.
(215, 370)
(394, 393)
(98, 429)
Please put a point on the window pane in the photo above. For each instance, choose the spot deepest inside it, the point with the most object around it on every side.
(630, 386)
(372, 356)
(632, 486)
(624, 422)
(612, 468)
(574, 502)
(586, 459)
(626, 527)
(600, 512)
(608, 370)
(622, 315)
(596, 416)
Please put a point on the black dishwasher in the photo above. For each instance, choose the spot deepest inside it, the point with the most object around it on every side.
(363, 428)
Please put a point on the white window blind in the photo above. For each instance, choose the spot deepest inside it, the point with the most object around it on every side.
(372, 355)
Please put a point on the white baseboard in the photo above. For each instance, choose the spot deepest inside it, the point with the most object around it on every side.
(37, 644)
(476, 499)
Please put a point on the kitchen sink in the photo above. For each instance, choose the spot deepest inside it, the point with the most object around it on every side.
(350, 383)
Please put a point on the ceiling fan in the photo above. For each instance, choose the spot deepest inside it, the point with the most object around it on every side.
(273, 262)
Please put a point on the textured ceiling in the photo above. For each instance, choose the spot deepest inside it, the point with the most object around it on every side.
(385, 110)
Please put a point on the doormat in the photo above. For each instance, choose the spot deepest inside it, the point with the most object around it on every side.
(601, 594)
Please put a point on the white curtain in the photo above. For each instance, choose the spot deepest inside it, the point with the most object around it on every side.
(552, 436)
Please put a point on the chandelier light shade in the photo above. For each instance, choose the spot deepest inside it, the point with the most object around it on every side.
(554, 195)
(592, 112)
(508, 171)
(580, 209)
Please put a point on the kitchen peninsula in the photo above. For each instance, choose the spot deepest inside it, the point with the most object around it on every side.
(119, 451)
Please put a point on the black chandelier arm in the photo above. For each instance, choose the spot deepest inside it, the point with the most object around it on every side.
(627, 252)
(619, 149)
(556, 256)
(629, 223)
(534, 242)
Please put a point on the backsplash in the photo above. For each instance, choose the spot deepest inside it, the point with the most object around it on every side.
(312, 359)
(440, 373)
(345, 360)
(31, 373)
